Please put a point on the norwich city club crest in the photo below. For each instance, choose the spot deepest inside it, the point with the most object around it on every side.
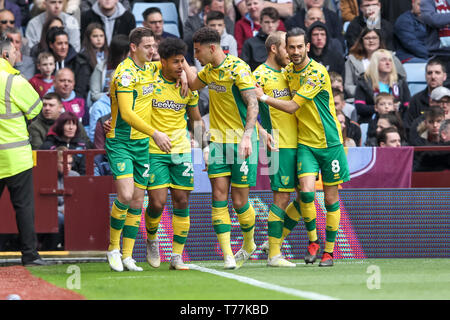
(285, 180)
(121, 166)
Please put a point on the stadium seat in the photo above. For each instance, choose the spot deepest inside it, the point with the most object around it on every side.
(415, 76)
(172, 28)
(168, 10)
(364, 127)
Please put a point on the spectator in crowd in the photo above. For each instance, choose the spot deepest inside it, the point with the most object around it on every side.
(154, 20)
(441, 97)
(381, 76)
(351, 132)
(384, 104)
(54, 8)
(339, 102)
(349, 9)
(370, 17)
(332, 20)
(112, 15)
(312, 15)
(389, 137)
(444, 132)
(387, 120)
(66, 132)
(216, 21)
(100, 132)
(249, 25)
(7, 20)
(42, 46)
(101, 76)
(94, 50)
(435, 75)
(55, 241)
(64, 85)
(15, 10)
(359, 57)
(58, 44)
(285, 8)
(411, 34)
(24, 63)
(435, 14)
(43, 80)
(51, 110)
(254, 49)
(195, 22)
(324, 50)
(302, 4)
(86, 5)
(427, 131)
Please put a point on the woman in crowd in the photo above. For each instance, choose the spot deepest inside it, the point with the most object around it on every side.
(359, 57)
(388, 120)
(42, 46)
(381, 76)
(66, 132)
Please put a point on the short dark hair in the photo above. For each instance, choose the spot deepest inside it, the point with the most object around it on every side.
(206, 35)
(214, 15)
(435, 61)
(170, 47)
(52, 95)
(61, 121)
(295, 32)
(55, 32)
(5, 45)
(270, 12)
(150, 11)
(382, 136)
(137, 34)
(118, 50)
(434, 112)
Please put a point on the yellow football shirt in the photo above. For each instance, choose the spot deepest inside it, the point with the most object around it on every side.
(227, 109)
(318, 126)
(282, 125)
(169, 114)
(129, 77)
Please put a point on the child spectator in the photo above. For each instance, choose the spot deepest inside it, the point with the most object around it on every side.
(43, 81)
(384, 103)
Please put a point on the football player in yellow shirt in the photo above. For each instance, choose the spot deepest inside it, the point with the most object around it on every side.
(319, 141)
(233, 154)
(271, 77)
(127, 144)
(174, 170)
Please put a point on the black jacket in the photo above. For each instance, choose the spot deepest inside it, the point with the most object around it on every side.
(365, 97)
(254, 50)
(331, 57)
(417, 106)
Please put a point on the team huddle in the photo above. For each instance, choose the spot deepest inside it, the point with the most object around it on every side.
(149, 145)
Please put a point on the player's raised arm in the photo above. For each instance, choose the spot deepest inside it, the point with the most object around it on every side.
(192, 78)
(289, 106)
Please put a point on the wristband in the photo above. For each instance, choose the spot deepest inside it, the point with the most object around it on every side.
(263, 98)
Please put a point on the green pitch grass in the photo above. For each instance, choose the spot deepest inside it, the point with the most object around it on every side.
(348, 279)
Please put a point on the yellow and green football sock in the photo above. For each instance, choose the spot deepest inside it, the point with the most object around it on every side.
(130, 231)
(333, 219)
(222, 226)
(117, 221)
(152, 219)
(309, 214)
(246, 217)
(291, 219)
(180, 225)
(275, 229)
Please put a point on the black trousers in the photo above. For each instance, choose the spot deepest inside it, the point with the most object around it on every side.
(20, 187)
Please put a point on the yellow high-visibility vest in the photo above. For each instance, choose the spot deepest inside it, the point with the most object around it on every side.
(18, 100)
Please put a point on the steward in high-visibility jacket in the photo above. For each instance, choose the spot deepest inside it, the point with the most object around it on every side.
(18, 100)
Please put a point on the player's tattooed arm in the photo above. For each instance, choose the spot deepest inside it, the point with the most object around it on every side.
(289, 106)
(245, 147)
(250, 99)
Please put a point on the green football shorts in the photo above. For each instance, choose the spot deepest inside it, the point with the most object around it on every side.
(171, 171)
(224, 161)
(129, 159)
(282, 169)
(332, 162)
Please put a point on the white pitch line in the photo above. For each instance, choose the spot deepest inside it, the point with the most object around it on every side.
(264, 285)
